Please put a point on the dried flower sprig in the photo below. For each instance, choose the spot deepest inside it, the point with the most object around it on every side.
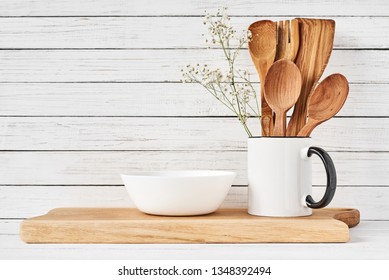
(232, 88)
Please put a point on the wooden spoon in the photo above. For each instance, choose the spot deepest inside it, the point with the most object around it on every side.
(288, 39)
(282, 89)
(316, 41)
(325, 102)
(262, 48)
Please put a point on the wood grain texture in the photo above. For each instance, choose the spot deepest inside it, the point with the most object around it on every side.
(262, 49)
(282, 89)
(190, 7)
(316, 43)
(325, 102)
(150, 99)
(134, 32)
(362, 66)
(351, 217)
(127, 225)
(288, 39)
(27, 201)
(104, 167)
(190, 134)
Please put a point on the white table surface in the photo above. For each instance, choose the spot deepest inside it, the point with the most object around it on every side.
(369, 240)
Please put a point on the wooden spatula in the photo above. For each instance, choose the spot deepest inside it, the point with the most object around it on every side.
(262, 48)
(325, 102)
(316, 41)
(288, 39)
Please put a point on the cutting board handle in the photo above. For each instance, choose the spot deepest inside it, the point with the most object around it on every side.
(349, 216)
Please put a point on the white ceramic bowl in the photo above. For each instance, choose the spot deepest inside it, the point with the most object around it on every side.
(178, 193)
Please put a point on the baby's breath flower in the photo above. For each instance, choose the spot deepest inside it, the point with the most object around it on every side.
(232, 87)
(249, 35)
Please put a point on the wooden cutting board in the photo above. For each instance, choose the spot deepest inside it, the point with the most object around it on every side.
(128, 225)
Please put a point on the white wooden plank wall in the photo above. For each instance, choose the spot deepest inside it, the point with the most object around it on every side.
(90, 89)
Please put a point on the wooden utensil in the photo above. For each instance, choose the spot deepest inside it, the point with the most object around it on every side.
(316, 41)
(128, 225)
(325, 102)
(262, 48)
(282, 89)
(288, 39)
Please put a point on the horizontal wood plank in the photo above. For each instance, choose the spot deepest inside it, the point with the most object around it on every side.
(190, 7)
(28, 201)
(363, 66)
(150, 99)
(354, 168)
(9, 227)
(167, 32)
(118, 133)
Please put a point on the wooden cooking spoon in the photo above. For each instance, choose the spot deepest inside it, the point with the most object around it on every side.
(316, 41)
(262, 48)
(325, 102)
(288, 39)
(282, 89)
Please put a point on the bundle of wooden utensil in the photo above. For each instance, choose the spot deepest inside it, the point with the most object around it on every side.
(290, 57)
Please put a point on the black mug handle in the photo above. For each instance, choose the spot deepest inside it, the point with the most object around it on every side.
(331, 179)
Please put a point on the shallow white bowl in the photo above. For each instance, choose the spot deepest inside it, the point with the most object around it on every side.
(178, 193)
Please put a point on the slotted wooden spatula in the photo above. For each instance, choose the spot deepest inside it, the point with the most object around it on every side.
(288, 39)
(316, 41)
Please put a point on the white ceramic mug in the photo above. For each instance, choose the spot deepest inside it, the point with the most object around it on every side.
(280, 176)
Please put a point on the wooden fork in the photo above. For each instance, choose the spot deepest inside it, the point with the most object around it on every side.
(288, 39)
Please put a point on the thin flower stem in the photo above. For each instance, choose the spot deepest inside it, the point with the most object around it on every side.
(213, 93)
(238, 50)
(258, 114)
(231, 65)
(232, 109)
(252, 109)
(235, 91)
(224, 49)
(225, 97)
(225, 104)
(247, 129)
